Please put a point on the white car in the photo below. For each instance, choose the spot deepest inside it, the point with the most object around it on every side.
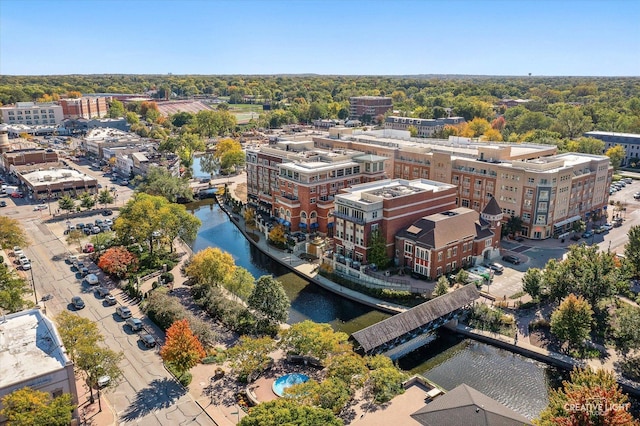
(92, 279)
(17, 251)
(40, 207)
(103, 381)
(25, 264)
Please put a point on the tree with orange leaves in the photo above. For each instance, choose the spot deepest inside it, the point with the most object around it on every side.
(182, 349)
(118, 261)
(588, 398)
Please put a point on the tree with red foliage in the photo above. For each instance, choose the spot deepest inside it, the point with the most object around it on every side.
(182, 349)
(118, 261)
(498, 124)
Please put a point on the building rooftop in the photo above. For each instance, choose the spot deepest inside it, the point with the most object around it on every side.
(108, 133)
(390, 188)
(29, 347)
(56, 176)
(601, 133)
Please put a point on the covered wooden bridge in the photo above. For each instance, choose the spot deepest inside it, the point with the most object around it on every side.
(414, 324)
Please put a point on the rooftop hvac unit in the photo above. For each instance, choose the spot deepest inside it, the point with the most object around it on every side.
(47, 178)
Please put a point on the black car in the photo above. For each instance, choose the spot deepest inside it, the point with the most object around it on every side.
(147, 340)
(107, 212)
(511, 259)
(3, 204)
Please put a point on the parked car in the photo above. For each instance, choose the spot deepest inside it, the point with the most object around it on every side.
(108, 222)
(17, 195)
(25, 263)
(77, 302)
(511, 259)
(103, 381)
(107, 212)
(99, 222)
(608, 226)
(3, 204)
(102, 291)
(123, 312)
(636, 195)
(80, 225)
(40, 207)
(495, 266)
(110, 299)
(87, 231)
(617, 223)
(92, 279)
(135, 324)
(84, 271)
(88, 248)
(600, 229)
(124, 182)
(17, 251)
(72, 259)
(587, 234)
(147, 340)
(95, 230)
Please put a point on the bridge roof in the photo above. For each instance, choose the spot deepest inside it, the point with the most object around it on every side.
(398, 325)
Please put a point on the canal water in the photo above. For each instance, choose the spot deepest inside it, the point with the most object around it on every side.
(518, 382)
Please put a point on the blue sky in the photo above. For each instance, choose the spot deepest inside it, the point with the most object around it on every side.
(375, 37)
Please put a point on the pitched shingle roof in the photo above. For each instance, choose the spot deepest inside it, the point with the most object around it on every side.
(492, 208)
(464, 405)
(440, 229)
(398, 325)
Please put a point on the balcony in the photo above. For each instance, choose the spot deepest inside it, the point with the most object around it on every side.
(349, 218)
(288, 200)
(326, 200)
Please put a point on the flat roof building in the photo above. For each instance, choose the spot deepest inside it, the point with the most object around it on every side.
(629, 141)
(32, 113)
(367, 108)
(32, 354)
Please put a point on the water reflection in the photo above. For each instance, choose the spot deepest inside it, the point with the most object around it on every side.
(308, 301)
(517, 382)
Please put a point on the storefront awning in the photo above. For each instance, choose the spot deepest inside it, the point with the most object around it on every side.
(330, 225)
(286, 223)
(314, 225)
(567, 221)
(303, 225)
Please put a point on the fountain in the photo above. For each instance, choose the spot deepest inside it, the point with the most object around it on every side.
(288, 380)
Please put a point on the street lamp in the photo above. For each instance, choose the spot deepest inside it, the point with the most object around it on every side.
(33, 283)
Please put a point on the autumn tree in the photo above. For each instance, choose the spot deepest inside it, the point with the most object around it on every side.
(11, 233)
(241, 283)
(211, 266)
(319, 341)
(182, 349)
(571, 321)
(249, 216)
(250, 355)
(77, 332)
(332, 394)
(29, 407)
(118, 262)
(276, 236)
(229, 154)
(442, 286)
(589, 397)
(616, 155)
(288, 412)
(97, 361)
(144, 216)
(585, 146)
(269, 299)
(12, 290)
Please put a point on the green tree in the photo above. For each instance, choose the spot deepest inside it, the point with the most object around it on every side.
(12, 289)
(319, 341)
(12, 233)
(105, 197)
(571, 123)
(377, 250)
(568, 405)
(626, 328)
(413, 131)
(585, 146)
(532, 283)
(250, 355)
(578, 226)
(188, 145)
(182, 349)
(332, 394)
(132, 118)
(616, 154)
(67, 203)
(289, 412)
(160, 181)
(229, 154)
(87, 201)
(116, 109)
(571, 321)
(97, 361)
(513, 225)
(30, 407)
(241, 284)
(181, 118)
(385, 379)
(269, 298)
(209, 164)
(350, 368)
(631, 250)
(144, 216)
(77, 332)
(442, 287)
(462, 276)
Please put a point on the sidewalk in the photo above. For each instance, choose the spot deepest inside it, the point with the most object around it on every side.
(90, 413)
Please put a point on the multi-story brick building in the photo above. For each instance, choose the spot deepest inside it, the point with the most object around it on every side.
(548, 191)
(31, 113)
(387, 206)
(426, 127)
(366, 108)
(443, 242)
(86, 107)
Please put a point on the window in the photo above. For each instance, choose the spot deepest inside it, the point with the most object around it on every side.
(531, 180)
(455, 251)
(440, 256)
(448, 253)
(312, 201)
(407, 247)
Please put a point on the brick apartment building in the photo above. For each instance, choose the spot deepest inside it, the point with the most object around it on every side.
(366, 108)
(548, 191)
(443, 242)
(387, 206)
(86, 107)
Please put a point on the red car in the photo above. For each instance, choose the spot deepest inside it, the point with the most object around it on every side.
(88, 248)
(16, 195)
